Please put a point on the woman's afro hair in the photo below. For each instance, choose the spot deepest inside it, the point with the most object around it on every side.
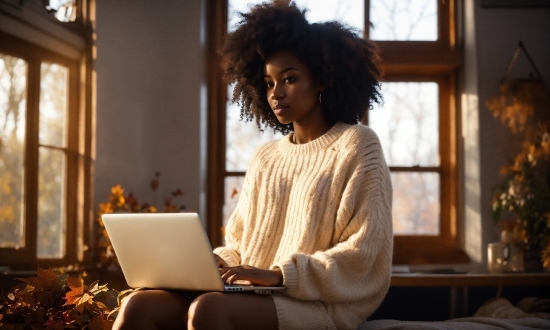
(336, 55)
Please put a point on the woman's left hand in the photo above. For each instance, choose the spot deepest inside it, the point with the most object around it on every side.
(256, 276)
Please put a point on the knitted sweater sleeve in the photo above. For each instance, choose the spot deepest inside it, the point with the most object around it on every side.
(233, 233)
(358, 266)
(230, 252)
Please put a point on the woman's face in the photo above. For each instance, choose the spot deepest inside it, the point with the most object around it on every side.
(291, 91)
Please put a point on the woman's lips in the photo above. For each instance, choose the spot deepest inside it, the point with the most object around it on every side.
(278, 109)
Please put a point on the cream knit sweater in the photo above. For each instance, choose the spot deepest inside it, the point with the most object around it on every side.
(321, 212)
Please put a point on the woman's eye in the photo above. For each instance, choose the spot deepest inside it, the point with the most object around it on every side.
(269, 84)
(290, 79)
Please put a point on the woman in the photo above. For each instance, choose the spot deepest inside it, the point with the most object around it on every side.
(315, 210)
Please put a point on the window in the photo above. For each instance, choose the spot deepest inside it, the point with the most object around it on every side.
(45, 146)
(417, 123)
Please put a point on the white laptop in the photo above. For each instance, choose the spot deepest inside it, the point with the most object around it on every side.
(168, 251)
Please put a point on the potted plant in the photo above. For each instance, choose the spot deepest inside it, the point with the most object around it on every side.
(525, 192)
(524, 189)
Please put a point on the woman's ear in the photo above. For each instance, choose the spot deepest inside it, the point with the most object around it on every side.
(322, 87)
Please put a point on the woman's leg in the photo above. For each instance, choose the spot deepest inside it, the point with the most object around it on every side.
(154, 309)
(216, 310)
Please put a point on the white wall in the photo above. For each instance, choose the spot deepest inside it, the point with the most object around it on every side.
(149, 74)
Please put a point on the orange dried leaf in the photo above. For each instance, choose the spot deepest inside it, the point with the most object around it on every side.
(99, 323)
(154, 184)
(177, 193)
(76, 296)
(117, 190)
(79, 294)
(46, 279)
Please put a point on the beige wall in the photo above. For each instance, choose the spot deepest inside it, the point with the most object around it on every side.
(149, 74)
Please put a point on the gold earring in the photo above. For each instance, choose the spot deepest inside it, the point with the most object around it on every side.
(320, 100)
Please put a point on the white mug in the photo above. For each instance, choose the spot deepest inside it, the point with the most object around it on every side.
(498, 255)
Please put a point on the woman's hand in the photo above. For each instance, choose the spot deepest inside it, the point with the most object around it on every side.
(220, 262)
(256, 276)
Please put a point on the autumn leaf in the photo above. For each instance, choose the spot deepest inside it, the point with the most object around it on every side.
(54, 324)
(154, 184)
(79, 294)
(74, 317)
(117, 197)
(76, 296)
(46, 279)
(107, 299)
(26, 297)
(33, 317)
(177, 193)
(99, 323)
(95, 288)
(47, 298)
(117, 190)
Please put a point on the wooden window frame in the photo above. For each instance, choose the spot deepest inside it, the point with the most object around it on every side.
(435, 61)
(78, 150)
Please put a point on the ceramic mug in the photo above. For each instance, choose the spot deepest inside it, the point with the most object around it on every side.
(498, 255)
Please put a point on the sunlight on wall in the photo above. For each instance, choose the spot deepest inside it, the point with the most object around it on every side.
(472, 189)
(473, 231)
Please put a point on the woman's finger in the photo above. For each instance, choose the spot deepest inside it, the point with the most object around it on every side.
(256, 276)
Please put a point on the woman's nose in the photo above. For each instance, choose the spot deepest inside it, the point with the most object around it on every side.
(277, 93)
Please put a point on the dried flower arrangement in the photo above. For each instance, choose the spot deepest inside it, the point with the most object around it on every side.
(57, 301)
(524, 191)
(119, 203)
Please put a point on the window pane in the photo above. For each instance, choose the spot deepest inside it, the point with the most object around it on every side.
(53, 105)
(51, 206)
(238, 6)
(416, 207)
(242, 139)
(414, 20)
(13, 92)
(407, 123)
(233, 187)
(65, 9)
(350, 12)
(51, 171)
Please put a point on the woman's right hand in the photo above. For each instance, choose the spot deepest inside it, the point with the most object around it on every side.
(220, 262)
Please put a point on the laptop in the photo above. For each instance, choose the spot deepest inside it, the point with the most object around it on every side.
(168, 251)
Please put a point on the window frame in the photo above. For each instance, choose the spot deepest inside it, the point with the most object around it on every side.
(78, 213)
(436, 61)
(432, 61)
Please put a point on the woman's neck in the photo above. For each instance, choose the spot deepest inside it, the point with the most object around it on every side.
(310, 130)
